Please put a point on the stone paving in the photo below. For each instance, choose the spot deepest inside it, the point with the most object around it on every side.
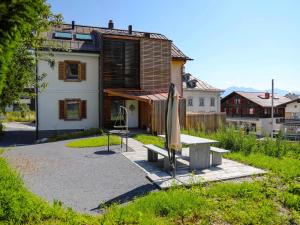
(228, 170)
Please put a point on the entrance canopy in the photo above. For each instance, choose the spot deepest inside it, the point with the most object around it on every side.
(140, 95)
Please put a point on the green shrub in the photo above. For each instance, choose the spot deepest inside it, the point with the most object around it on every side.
(20, 116)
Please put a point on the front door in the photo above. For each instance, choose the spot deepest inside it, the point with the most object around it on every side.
(132, 107)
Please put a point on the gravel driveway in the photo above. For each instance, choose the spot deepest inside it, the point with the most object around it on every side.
(80, 178)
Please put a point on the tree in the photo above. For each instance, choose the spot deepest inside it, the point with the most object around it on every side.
(22, 23)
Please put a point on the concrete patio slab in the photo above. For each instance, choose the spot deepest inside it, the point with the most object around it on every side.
(184, 176)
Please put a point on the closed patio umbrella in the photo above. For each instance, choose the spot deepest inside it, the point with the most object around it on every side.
(172, 125)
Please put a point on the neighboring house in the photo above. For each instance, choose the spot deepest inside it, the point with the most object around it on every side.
(253, 110)
(106, 68)
(200, 96)
(291, 124)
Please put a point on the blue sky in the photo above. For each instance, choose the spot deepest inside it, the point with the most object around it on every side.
(233, 42)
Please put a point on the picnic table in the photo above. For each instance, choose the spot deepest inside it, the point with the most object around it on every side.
(199, 150)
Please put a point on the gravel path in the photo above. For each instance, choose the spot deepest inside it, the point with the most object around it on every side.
(80, 178)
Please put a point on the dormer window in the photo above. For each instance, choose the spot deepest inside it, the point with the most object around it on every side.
(186, 77)
(191, 84)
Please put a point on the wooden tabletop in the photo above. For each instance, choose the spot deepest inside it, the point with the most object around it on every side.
(192, 140)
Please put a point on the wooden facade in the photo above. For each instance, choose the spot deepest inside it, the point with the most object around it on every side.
(121, 63)
(155, 67)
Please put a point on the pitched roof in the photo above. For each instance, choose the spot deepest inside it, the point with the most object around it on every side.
(96, 31)
(176, 53)
(259, 98)
(200, 85)
(292, 101)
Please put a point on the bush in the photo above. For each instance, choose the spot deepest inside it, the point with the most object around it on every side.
(20, 116)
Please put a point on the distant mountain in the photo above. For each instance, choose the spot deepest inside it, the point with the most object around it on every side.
(234, 88)
(249, 89)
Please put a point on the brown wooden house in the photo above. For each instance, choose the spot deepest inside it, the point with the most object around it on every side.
(252, 110)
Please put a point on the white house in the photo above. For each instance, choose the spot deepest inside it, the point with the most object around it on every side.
(291, 124)
(200, 96)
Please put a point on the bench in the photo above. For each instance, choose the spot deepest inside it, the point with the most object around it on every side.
(217, 155)
(154, 151)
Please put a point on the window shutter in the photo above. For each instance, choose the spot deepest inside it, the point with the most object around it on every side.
(83, 109)
(61, 71)
(82, 67)
(61, 106)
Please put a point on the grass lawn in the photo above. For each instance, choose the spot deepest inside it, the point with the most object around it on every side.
(94, 142)
(150, 139)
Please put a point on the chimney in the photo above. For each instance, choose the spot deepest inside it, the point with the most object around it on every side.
(267, 95)
(111, 24)
(73, 24)
(130, 29)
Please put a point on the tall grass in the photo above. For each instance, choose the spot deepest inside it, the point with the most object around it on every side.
(238, 141)
(20, 116)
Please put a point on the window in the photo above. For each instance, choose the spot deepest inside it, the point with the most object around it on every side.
(63, 35)
(72, 71)
(251, 111)
(83, 37)
(190, 101)
(201, 101)
(115, 109)
(72, 110)
(212, 102)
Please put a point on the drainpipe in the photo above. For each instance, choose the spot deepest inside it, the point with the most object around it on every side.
(36, 100)
(272, 109)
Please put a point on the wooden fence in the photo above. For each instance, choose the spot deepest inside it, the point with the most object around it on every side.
(158, 115)
(205, 121)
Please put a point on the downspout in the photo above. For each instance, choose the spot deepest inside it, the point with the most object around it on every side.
(272, 109)
(36, 100)
(100, 84)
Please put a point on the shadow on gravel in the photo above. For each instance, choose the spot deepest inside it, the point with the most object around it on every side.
(12, 138)
(127, 197)
(105, 152)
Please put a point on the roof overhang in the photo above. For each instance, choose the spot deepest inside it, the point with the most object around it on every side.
(140, 95)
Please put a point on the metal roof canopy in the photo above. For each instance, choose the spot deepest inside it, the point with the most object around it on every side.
(140, 95)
